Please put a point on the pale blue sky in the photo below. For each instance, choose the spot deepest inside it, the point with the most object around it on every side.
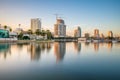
(89, 14)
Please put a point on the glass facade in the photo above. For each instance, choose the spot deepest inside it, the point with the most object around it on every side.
(4, 33)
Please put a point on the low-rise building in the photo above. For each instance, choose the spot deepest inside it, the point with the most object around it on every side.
(4, 33)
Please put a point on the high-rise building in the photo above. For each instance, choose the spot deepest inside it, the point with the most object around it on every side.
(35, 24)
(87, 35)
(60, 28)
(77, 32)
(102, 36)
(110, 34)
(96, 33)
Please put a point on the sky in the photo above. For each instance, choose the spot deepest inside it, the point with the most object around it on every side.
(88, 14)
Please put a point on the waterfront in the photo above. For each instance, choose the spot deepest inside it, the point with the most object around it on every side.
(59, 60)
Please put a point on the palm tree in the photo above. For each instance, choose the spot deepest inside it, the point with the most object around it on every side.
(38, 32)
(5, 27)
(30, 31)
(49, 34)
(47, 31)
(43, 33)
(20, 36)
(10, 29)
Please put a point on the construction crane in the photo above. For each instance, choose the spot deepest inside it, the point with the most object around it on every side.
(57, 16)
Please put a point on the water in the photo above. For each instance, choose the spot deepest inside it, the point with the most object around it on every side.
(57, 61)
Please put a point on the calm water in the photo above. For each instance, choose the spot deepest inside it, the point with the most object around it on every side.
(56, 61)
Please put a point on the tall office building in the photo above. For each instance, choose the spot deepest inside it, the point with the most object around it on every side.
(110, 34)
(35, 24)
(96, 33)
(60, 28)
(77, 32)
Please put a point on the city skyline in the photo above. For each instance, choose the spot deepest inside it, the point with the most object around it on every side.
(88, 14)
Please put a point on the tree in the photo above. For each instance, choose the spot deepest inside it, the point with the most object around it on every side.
(5, 27)
(43, 33)
(109, 38)
(30, 31)
(20, 36)
(49, 34)
(37, 32)
(10, 29)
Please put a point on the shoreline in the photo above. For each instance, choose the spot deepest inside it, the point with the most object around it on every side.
(42, 41)
(24, 41)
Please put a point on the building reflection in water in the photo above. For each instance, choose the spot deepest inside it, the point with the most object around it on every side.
(5, 50)
(36, 49)
(48, 47)
(87, 44)
(20, 45)
(110, 44)
(96, 47)
(77, 46)
(59, 50)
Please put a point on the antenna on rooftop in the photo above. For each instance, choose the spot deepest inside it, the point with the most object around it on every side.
(56, 16)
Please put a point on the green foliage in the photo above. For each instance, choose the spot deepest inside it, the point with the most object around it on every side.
(26, 38)
(43, 33)
(110, 38)
(10, 29)
(37, 32)
(49, 34)
(20, 36)
(30, 31)
(5, 27)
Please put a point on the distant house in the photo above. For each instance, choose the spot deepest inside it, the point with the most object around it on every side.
(12, 34)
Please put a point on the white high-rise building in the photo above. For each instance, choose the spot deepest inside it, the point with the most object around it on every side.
(35, 24)
(60, 28)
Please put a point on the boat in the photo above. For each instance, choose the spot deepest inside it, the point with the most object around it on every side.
(114, 41)
(96, 40)
(88, 40)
